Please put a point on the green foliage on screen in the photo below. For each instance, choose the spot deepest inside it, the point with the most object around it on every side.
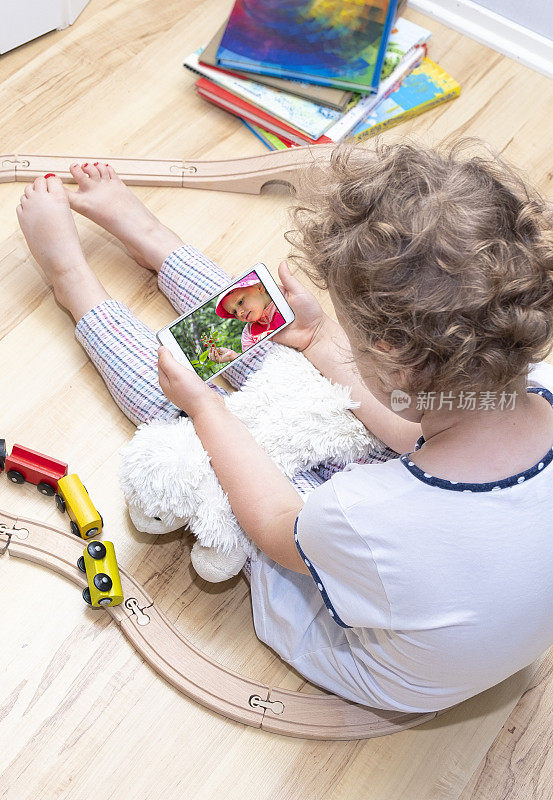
(205, 322)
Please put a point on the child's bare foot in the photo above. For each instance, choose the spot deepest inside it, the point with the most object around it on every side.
(48, 226)
(103, 197)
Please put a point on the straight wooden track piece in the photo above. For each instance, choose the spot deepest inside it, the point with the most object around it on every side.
(7, 168)
(247, 175)
(133, 171)
(189, 670)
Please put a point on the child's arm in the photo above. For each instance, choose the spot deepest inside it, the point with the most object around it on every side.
(263, 501)
(325, 344)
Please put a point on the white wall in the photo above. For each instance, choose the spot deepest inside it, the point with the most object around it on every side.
(521, 29)
(537, 15)
(23, 20)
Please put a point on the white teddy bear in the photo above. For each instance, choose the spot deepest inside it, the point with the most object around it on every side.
(298, 416)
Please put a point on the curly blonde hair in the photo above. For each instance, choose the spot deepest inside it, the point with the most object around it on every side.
(443, 255)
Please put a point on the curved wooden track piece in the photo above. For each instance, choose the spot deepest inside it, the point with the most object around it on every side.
(174, 657)
(247, 175)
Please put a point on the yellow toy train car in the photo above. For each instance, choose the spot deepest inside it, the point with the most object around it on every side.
(73, 497)
(102, 573)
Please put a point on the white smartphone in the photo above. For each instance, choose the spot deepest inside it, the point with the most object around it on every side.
(218, 332)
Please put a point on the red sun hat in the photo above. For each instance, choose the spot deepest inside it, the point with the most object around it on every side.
(249, 280)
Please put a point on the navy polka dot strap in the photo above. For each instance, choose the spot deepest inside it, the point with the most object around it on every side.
(490, 486)
(318, 582)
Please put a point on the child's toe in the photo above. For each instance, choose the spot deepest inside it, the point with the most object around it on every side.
(29, 190)
(79, 174)
(90, 171)
(39, 184)
(112, 173)
(54, 185)
(103, 170)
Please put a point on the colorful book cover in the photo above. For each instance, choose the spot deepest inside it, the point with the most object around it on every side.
(338, 43)
(426, 87)
(325, 95)
(241, 108)
(307, 117)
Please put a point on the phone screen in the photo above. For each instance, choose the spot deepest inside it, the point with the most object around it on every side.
(219, 331)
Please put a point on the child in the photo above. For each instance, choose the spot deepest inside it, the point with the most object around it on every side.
(414, 583)
(251, 303)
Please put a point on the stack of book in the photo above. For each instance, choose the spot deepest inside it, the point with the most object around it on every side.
(320, 71)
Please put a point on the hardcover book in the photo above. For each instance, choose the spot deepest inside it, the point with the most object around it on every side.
(326, 95)
(338, 43)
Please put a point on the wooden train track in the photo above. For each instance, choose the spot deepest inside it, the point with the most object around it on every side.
(248, 175)
(189, 670)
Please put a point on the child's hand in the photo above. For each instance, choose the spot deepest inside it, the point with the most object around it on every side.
(222, 354)
(309, 314)
(182, 386)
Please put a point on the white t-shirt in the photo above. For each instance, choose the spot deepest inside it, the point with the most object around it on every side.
(422, 592)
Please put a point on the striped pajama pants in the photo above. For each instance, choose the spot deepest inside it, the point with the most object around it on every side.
(124, 351)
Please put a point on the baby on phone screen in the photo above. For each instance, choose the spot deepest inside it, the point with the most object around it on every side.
(249, 302)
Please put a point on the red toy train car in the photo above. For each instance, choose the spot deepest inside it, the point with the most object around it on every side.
(24, 464)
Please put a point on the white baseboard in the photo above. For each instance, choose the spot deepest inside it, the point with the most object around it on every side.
(493, 30)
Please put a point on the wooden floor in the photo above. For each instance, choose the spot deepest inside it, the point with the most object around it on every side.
(81, 715)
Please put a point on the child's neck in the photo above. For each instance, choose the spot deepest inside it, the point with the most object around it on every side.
(486, 444)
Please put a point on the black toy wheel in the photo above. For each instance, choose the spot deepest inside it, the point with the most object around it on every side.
(15, 476)
(75, 529)
(105, 601)
(45, 488)
(60, 503)
(96, 549)
(92, 532)
(86, 596)
(3, 453)
(103, 582)
(80, 564)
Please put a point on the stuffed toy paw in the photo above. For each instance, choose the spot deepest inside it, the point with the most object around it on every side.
(298, 416)
(215, 565)
(168, 484)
